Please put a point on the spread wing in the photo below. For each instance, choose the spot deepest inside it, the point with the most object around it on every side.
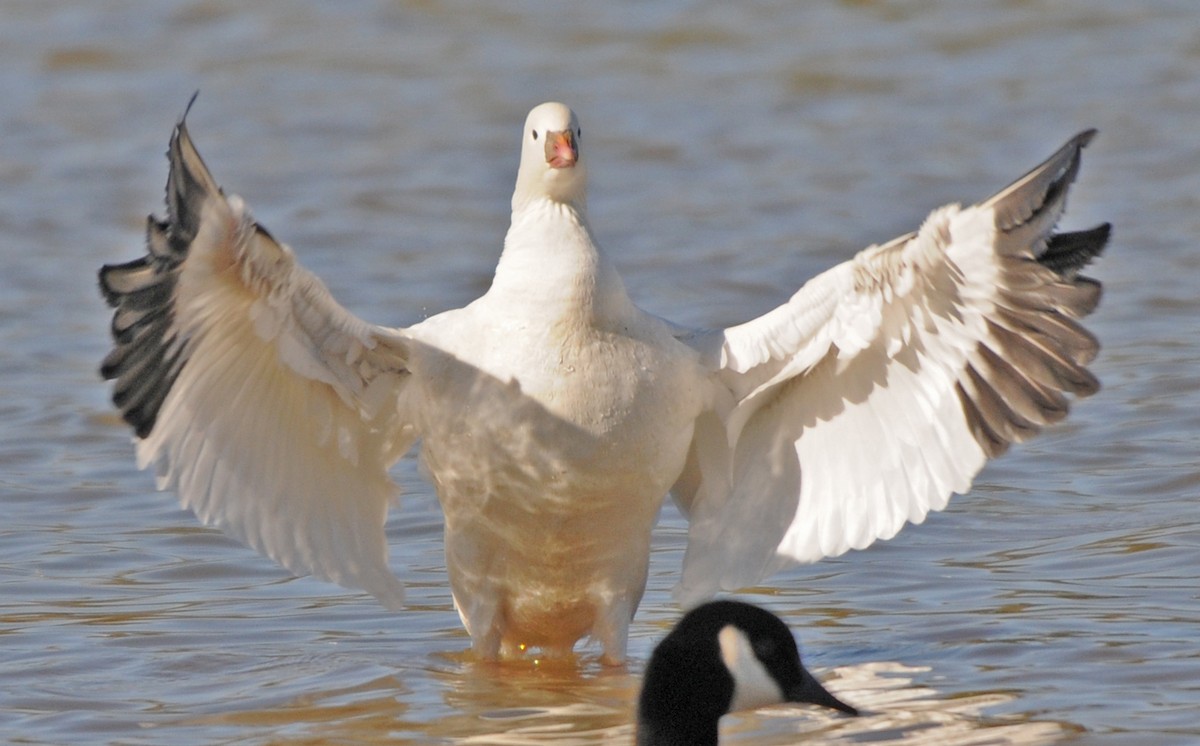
(884, 385)
(269, 408)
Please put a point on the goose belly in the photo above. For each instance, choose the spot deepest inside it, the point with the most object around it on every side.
(550, 480)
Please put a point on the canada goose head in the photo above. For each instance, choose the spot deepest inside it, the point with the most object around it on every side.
(721, 657)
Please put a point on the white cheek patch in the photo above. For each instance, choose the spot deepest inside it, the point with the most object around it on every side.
(753, 685)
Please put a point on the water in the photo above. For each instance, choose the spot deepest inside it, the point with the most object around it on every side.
(738, 149)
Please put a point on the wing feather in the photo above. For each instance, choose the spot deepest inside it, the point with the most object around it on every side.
(885, 384)
(269, 408)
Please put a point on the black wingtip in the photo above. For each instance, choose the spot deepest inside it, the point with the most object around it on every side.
(189, 183)
(1084, 138)
(187, 109)
(1041, 192)
(1067, 253)
(148, 353)
(180, 131)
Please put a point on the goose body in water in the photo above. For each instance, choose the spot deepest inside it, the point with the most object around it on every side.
(554, 415)
(722, 657)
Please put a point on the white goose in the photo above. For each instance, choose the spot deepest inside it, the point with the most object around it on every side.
(554, 415)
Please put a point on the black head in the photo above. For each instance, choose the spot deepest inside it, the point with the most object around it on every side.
(722, 656)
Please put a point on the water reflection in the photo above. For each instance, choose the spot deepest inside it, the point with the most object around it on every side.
(539, 703)
(526, 705)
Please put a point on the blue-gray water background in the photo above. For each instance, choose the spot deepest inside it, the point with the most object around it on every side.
(737, 149)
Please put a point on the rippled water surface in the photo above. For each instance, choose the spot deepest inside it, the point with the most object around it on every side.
(738, 148)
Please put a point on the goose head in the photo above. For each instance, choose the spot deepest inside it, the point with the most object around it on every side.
(552, 163)
(722, 657)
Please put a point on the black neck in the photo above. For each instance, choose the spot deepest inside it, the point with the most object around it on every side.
(691, 732)
(684, 694)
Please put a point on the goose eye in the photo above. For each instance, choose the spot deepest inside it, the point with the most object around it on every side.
(535, 134)
(765, 649)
